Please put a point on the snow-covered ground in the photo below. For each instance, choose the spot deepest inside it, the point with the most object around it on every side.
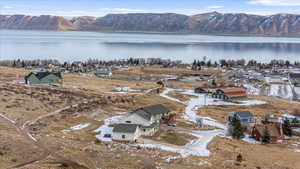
(106, 129)
(197, 147)
(201, 100)
(8, 119)
(77, 127)
(166, 91)
(125, 90)
(80, 126)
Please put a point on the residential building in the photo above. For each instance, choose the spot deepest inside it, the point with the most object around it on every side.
(245, 117)
(148, 118)
(43, 78)
(103, 72)
(126, 132)
(274, 130)
(230, 93)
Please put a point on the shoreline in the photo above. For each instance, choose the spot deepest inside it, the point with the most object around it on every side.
(160, 33)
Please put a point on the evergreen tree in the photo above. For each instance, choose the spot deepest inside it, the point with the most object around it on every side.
(237, 128)
(239, 158)
(266, 138)
(295, 121)
(287, 128)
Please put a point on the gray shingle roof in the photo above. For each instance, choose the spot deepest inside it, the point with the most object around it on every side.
(41, 75)
(156, 109)
(125, 128)
(244, 114)
(143, 114)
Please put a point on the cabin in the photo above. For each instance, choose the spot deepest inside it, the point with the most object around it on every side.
(230, 93)
(275, 131)
(148, 118)
(294, 79)
(245, 117)
(126, 132)
(43, 78)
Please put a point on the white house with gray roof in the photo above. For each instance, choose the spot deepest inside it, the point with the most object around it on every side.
(126, 132)
(147, 118)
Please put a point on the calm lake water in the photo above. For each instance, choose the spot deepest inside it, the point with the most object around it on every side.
(75, 46)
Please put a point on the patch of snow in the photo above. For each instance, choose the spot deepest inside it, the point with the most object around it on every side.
(31, 137)
(203, 100)
(80, 126)
(250, 140)
(8, 119)
(103, 131)
(106, 129)
(196, 147)
(166, 91)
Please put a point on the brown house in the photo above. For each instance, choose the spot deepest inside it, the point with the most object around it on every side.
(275, 131)
(230, 93)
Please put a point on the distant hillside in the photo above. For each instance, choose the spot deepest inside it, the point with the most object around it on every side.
(208, 23)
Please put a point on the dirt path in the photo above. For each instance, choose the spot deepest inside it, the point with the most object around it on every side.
(47, 152)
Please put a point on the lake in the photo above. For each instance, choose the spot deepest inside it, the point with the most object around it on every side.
(78, 46)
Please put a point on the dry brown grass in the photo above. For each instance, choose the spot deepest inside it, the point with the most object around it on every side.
(270, 156)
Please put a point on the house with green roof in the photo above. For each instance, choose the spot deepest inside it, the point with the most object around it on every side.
(43, 78)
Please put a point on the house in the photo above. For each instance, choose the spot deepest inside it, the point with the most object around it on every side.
(148, 118)
(230, 93)
(294, 79)
(43, 78)
(103, 72)
(275, 131)
(245, 117)
(126, 132)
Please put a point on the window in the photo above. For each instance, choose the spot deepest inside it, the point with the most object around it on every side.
(123, 136)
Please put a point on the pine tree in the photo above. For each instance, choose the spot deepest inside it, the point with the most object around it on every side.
(239, 158)
(266, 138)
(295, 121)
(238, 129)
(287, 128)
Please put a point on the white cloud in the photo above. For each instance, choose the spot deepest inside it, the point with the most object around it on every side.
(215, 7)
(275, 2)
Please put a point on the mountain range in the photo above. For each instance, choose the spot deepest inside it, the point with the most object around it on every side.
(213, 23)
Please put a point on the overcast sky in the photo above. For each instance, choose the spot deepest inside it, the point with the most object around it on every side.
(188, 7)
